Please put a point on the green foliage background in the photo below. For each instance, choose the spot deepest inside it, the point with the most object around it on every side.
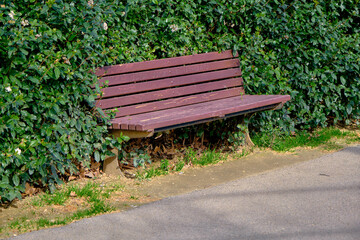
(48, 123)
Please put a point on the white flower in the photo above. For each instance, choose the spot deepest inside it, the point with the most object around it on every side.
(11, 14)
(8, 89)
(24, 22)
(38, 35)
(91, 3)
(122, 14)
(18, 151)
(174, 27)
(105, 26)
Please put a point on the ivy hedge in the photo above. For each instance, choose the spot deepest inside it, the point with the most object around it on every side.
(48, 122)
(49, 49)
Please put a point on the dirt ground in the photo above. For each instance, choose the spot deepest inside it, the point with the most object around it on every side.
(135, 192)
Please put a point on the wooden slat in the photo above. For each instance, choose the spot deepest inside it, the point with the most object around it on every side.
(214, 109)
(170, 72)
(170, 82)
(168, 93)
(163, 63)
(177, 102)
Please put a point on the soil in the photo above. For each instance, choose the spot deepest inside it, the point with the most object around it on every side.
(135, 192)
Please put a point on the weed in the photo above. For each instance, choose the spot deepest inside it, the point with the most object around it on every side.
(237, 139)
(94, 194)
(139, 157)
(149, 173)
(14, 224)
(98, 206)
(189, 156)
(43, 222)
(333, 146)
(164, 165)
(59, 197)
(240, 154)
(36, 201)
(91, 192)
(353, 140)
(205, 158)
(19, 224)
(179, 166)
(163, 169)
(208, 157)
(306, 139)
(110, 189)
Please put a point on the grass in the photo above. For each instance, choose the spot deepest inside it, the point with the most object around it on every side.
(163, 169)
(190, 157)
(91, 191)
(317, 138)
(133, 198)
(89, 199)
(205, 158)
(24, 224)
(179, 166)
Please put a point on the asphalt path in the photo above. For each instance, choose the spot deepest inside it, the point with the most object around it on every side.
(317, 199)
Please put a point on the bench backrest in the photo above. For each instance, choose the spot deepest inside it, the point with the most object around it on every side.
(148, 86)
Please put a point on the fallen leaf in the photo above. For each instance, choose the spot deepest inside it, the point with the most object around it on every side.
(89, 175)
(30, 190)
(157, 149)
(71, 178)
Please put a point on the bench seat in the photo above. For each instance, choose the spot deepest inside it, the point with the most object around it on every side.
(176, 117)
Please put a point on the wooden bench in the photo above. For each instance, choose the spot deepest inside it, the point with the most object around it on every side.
(159, 95)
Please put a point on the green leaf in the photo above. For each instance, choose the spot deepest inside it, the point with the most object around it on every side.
(57, 73)
(78, 125)
(343, 81)
(349, 109)
(97, 156)
(16, 180)
(34, 79)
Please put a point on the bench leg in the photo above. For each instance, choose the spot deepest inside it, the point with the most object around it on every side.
(248, 140)
(245, 122)
(111, 164)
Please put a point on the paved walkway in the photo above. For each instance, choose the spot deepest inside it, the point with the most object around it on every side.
(318, 199)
